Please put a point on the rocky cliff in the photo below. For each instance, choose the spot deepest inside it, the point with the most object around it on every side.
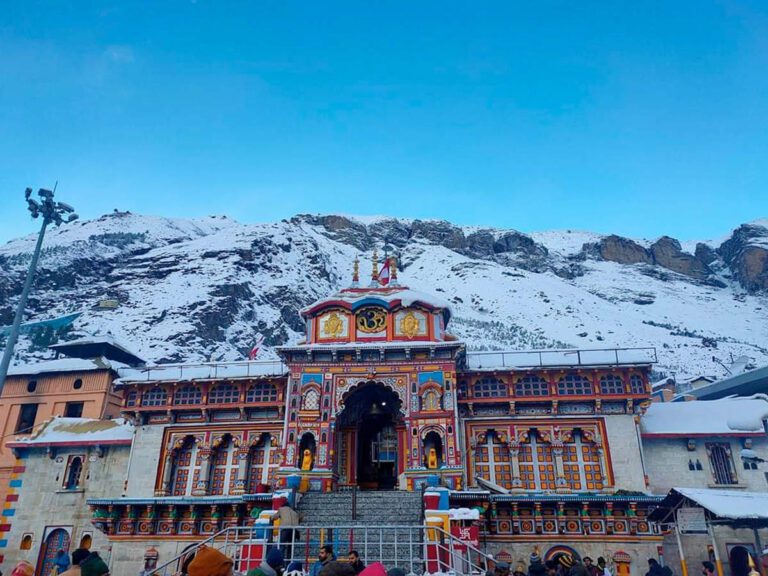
(193, 290)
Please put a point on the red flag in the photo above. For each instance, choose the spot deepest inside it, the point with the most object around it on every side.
(384, 273)
(255, 350)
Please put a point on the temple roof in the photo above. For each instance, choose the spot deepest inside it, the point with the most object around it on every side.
(95, 346)
(389, 296)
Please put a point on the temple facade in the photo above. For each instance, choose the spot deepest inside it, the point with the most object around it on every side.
(380, 396)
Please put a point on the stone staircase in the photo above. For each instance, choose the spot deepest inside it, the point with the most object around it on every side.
(361, 522)
(371, 508)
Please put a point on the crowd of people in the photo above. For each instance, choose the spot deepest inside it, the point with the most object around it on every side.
(83, 563)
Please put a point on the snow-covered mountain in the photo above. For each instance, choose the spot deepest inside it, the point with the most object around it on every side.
(195, 290)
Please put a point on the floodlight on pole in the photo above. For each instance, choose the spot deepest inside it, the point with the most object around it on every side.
(57, 213)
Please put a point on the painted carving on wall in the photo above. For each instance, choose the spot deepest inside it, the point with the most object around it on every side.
(371, 322)
(333, 325)
(410, 323)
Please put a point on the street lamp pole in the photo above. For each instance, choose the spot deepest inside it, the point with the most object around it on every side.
(51, 212)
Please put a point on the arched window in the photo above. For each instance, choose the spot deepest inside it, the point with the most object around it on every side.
(492, 460)
(611, 384)
(85, 541)
(74, 471)
(155, 397)
(224, 394)
(574, 385)
(26, 542)
(430, 400)
(130, 398)
(537, 463)
(531, 385)
(433, 441)
(311, 400)
(223, 467)
(262, 392)
(637, 384)
(582, 465)
(187, 395)
(263, 460)
(186, 468)
(489, 388)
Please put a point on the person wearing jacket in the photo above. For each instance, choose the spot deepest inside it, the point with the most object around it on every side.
(77, 557)
(209, 562)
(93, 565)
(61, 562)
(324, 556)
(273, 564)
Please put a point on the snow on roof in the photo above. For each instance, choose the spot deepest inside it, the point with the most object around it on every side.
(734, 504)
(62, 365)
(78, 431)
(567, 357)
(373, 345)
(731, 416)
(206, 371)
(359, 296)
(105, 344)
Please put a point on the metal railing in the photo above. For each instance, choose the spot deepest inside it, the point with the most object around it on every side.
(418, 550)
(567, 357)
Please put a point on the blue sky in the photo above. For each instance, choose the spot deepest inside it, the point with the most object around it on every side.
(640, 118)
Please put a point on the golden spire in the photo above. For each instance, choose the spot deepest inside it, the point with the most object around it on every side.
(375, 271)
(392, 270)
(356, 271)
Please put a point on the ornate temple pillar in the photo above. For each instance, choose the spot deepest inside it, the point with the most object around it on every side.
(201, 486)
(242, 470)
(165, 483)
(557, 452)
(514, 460)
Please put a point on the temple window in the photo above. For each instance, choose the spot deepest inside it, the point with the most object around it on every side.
(490, 388)
(262, 392)
(224, 394)
(721, 462)
(73, 473)
(582, 464)
(263, 458)
(155, 397)
(531, 386)
(537, 464)
(637, 384)
(611, 384)
(223, 467)
(574, 385)
(131, 398)
(311, 400)
(186, 469)
(187, 395)
(492, 460)
(430, 400)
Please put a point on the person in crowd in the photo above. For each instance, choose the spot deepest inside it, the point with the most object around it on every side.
(564, 564)
(77, 557)
(520, 569)
(273, 564)
(656, 569)
(355, 562)
(578, 568)
(93, 565)
(708, 568)
(324, 556)
(375, 569)
(590, 566)
(603, 569)
(23, 568)
(61, 562)
(209, 562)
(337, 568)
(295, 568)
(501, 569)
(551, 567)
(535, 566)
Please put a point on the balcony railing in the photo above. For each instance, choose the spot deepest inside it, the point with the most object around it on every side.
(558, 358)
(203, 371)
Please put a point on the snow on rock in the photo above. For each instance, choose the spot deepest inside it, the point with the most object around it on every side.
(706, 417)
(202, 290)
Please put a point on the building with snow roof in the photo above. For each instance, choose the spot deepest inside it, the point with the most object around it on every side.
(64, 462)
(77, 383)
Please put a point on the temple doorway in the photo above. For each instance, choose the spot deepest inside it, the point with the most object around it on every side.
(372, 428)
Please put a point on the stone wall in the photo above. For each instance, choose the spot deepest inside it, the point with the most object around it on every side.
(44, 503)
(667, 464)
(147, 446)
(696, 551)
(624, 445)
(638, 550)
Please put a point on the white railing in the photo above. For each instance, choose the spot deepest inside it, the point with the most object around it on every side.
(551, 358)
(418, 550)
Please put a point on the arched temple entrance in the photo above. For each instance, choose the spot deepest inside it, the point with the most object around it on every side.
(371, 429)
